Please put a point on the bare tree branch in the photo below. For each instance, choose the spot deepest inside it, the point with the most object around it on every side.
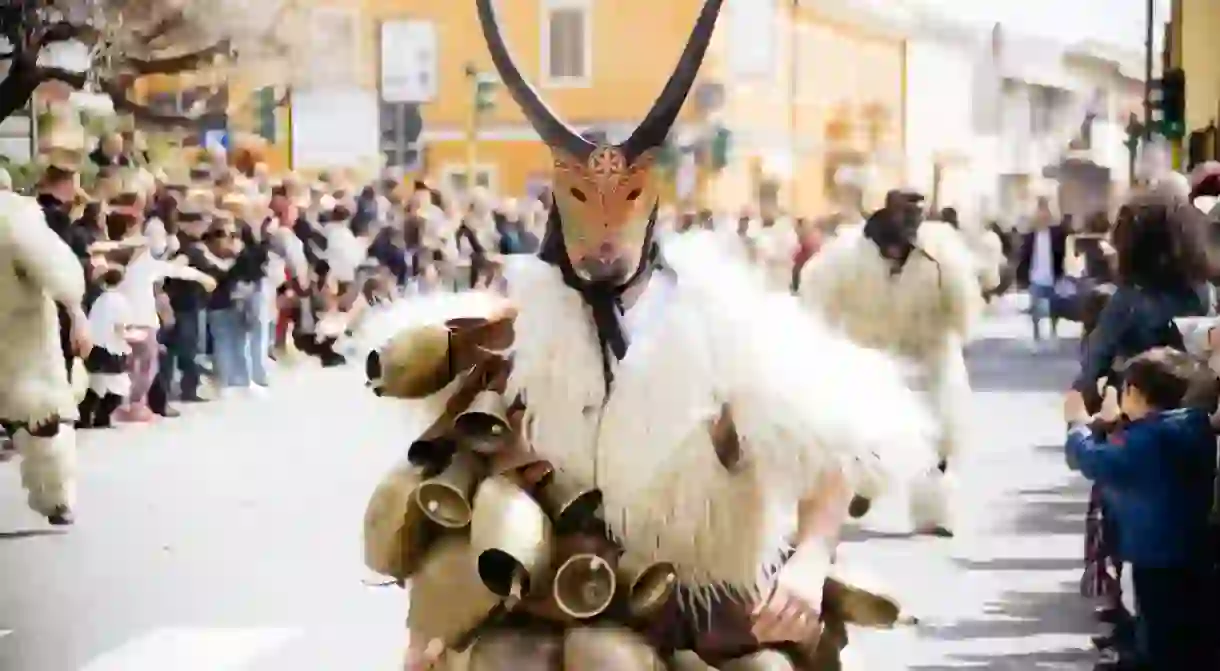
(181, 63)
(143, 114)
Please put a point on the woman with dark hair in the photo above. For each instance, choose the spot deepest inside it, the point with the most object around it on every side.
(1160, 274)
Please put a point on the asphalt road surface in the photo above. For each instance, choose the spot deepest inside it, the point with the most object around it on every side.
(229, 539)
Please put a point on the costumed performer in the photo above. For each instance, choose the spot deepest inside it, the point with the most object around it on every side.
(908, 287)
(37, 401)
(641, 455)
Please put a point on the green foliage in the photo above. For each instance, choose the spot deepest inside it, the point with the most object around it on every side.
(24, 175)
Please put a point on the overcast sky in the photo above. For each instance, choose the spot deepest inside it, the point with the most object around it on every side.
(1118, 22)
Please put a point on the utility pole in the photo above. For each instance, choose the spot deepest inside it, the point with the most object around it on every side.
(1150, 18)
(483, 87)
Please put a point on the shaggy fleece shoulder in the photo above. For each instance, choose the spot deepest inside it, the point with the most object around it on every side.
(825, 277)
(958, 273)
(44, 258)
(799, 391)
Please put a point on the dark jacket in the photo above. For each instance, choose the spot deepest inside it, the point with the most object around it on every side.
(514, 238)
(1133, 321)
(1059, 236)
(393, 256)
(1157, 477)
(101, 160)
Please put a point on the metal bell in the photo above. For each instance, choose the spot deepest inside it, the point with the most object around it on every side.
(432, 454)
(646, 586)
(571, 505)
(445, 497)
(414, 364)
(584, 585)
(603, 647)
(861, 607)
(511, 537)
(484, 424)
(766, 660)
(859, 506)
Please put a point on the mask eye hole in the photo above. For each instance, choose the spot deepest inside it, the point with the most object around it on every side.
(578, 194)
(634, 195)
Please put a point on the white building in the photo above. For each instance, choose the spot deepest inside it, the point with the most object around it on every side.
(993, 114)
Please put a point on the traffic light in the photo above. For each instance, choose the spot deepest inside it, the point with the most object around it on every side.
(719, 148)
(484, 92)
(265, 104)
(667, 156)
(1173, 104)
(1135, 131)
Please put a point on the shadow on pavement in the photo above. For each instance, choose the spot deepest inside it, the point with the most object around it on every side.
(30, 533)
(1020, 615)
(1008, 365)
(855, 534)
(1053, 510)
(1060, 660)
(1020, 564)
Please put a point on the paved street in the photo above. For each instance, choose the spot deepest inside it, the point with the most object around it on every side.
(228, 540)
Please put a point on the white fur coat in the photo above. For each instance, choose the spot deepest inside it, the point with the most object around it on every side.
(935, 298)
(37, 268)
(705, 334)
(924, 314)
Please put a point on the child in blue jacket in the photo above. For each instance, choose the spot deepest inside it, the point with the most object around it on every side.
(1157, 477)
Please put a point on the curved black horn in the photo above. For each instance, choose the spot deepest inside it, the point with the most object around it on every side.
(652, 131)
(553, 131)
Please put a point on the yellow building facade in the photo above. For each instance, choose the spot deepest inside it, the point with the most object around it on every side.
(1194, 48)
(820, 93)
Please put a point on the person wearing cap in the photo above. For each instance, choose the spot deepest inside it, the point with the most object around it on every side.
(57, 191)
(41, 277)
(109, 152)
(236, 254)
(144, 271)
(189, 299)
(908, 287)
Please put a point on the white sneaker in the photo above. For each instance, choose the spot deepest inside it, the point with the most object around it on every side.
(256, 390)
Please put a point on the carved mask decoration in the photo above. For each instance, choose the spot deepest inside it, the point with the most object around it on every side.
(605, 198)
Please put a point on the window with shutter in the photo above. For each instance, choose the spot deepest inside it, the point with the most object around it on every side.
(566, 43)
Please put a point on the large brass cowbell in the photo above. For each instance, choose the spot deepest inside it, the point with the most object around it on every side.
(445, 497)
(584, 585)
(571, 505)
(511, 537)
(484, 424)
(646, 586)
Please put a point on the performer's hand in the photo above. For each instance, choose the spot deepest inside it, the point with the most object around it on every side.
(792, 612)
(1111, 411)
(1074, 409)
(1213, 339)
(424, 659)
(82, 343)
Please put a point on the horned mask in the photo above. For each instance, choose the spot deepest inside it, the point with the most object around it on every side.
(599, 232)
(604, 194)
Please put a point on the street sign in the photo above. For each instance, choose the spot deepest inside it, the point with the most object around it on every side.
(408, 61)
(216, 138)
